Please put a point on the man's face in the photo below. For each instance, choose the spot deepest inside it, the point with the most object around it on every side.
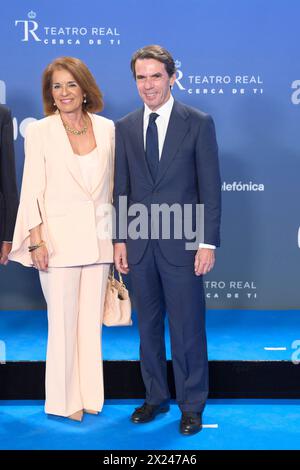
(153, 82)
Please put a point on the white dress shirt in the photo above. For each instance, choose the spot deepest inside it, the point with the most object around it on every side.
(162, 122)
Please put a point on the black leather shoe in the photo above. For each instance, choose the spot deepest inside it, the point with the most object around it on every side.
(190, 423)
(146, 412)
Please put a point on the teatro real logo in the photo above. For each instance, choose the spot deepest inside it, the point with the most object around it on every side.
(214, 84)
(231, 289)
(29, 27)
(295, 98)
(52, 35)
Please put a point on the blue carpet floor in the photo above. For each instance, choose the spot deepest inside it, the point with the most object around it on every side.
(229, 424)
(232, 335)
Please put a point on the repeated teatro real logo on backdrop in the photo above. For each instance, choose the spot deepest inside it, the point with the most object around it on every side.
(217, 84)
(295, 97)
(31, 30)
(19, 128)
(2, 92)
(231, 290)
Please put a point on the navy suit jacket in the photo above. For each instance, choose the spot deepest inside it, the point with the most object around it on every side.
(8, 185)
(188, 174)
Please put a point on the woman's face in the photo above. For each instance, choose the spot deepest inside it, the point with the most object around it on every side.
(66, 92)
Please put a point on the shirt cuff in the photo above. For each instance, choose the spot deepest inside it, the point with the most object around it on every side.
(206, 245)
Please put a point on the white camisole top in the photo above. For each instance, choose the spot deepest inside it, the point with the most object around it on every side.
(89, 167)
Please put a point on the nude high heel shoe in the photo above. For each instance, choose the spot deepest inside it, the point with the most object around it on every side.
(77, 416)
(91, 412)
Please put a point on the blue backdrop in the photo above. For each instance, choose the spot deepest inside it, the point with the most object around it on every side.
(236, 59)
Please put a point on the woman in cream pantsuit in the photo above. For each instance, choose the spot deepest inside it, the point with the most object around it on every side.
(65, 201)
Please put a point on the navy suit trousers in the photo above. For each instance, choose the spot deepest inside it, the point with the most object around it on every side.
(161, 287)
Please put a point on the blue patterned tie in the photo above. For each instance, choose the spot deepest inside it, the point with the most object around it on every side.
(152, 152)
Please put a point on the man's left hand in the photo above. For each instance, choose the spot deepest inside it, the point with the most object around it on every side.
(5, 250)
(204, 261)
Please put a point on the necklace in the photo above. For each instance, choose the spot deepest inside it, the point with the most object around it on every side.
(75, 131)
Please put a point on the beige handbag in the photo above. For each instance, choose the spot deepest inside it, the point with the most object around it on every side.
(117, 305)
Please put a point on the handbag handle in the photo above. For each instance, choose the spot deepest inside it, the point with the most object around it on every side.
(119, 274)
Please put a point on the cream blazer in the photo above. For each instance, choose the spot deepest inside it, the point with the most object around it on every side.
(74, 222)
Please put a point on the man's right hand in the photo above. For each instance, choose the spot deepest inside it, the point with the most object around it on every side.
(120, 258)
(5, 249)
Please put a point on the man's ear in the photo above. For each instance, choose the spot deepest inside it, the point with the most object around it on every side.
(172, 80)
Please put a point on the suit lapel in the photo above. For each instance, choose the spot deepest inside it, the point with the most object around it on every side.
(101, 138)
(177, 129)
(67, 152)
(102, 141)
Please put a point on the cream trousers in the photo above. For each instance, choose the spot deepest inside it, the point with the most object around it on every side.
(74, 372)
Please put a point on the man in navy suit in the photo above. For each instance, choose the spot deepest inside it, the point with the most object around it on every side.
(167, 156)
(8, 186)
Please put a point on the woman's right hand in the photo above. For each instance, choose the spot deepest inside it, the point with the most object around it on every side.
(40, 258)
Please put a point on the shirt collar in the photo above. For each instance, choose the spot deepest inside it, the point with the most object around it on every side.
(165, 110)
